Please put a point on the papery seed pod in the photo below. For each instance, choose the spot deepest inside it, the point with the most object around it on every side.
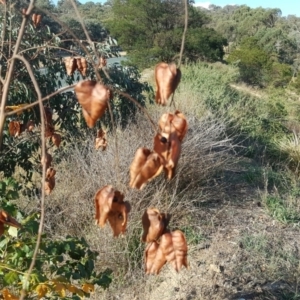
(56, 139)
(174, 248)
(81, 65)
(36, 19)
(49, 128)
(70, 64)
(180, 123)
(150, 254)
(93, 98)
(101, 141)
(173, 156)
(110, 205)
(6, 219)
(165, 123)
(103, 203)
(50, 181)
(14, 128)
(154, 224)
(30, 125)
(167, 78)
(145, 166)
(102, 62)
(118, 214)
(155, 258)
(168, 147)
(47, 160)
(173, 123)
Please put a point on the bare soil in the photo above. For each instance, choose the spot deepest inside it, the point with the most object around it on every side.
(245, 254)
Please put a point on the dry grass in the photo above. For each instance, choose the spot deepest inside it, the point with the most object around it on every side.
(83, 170)
(236, 250)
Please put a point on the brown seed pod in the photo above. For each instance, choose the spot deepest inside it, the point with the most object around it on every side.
(153, 262)
(101, 141)
(49, 128)
(81, 65)
(145, 166)
(167, 78)
(174, 123)
(110, 205)
(102, 62)
(168, 147)
(50, 181)
(93, 98)
(118, 215)
(154, 224)
(14, 128)
(172, 248)
(56, 139)
(30, 125)
(70, 64)
(47, 160)
(36, 19)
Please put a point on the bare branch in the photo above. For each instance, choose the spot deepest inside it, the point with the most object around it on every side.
(11, 70)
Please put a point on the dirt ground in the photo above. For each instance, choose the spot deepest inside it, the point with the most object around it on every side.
(245, 255)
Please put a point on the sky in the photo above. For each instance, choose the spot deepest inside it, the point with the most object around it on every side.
(287, 7)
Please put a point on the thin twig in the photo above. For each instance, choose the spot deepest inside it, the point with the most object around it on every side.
(11, 69)
(75, 39)
(43, 146)
(42, 99)
(139, 105)
(186, 18)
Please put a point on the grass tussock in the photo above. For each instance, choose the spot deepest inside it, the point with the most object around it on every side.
(83, 170)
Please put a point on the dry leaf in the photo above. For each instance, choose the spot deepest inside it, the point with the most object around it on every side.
(7, 295)
(145, 166)
(93, 98)
(6, 219)
(167, 78)
(154, 224)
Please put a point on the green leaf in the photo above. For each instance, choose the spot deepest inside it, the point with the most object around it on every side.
(12, 195)
(10, 277)
(2, 187)
(4, 242)
(13, 231)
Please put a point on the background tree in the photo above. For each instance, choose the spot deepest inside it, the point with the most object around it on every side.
(150, 31)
